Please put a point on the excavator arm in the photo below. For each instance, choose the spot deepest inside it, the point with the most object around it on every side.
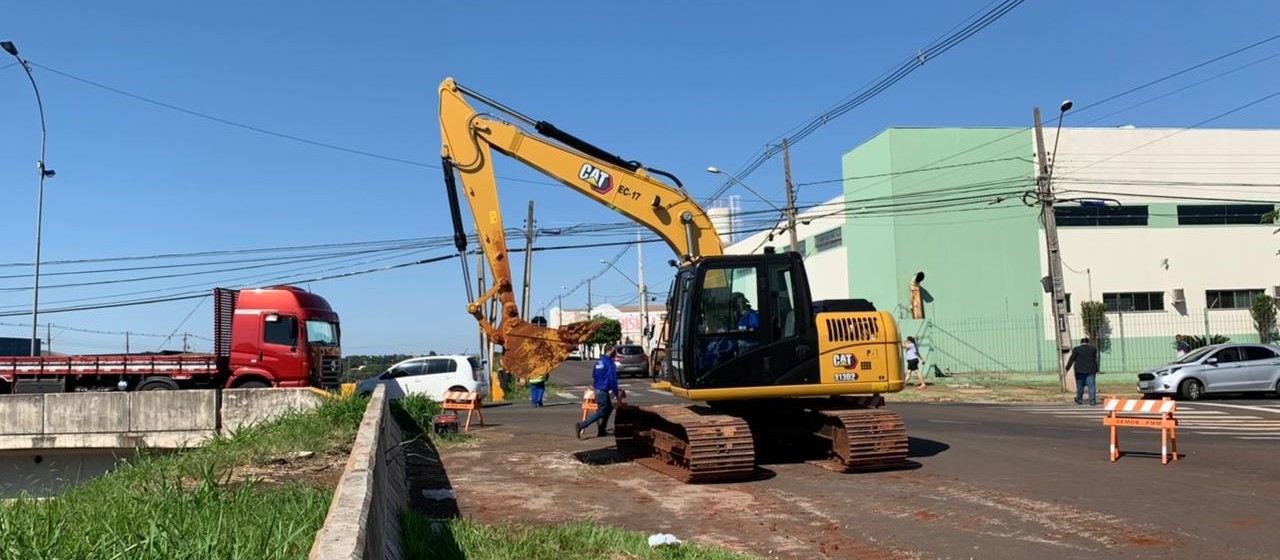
(469, 140)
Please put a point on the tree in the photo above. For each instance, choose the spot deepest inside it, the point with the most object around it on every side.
(610, 331)
(1094, 316)
(1264, 316)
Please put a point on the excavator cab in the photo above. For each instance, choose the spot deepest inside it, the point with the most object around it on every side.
(742, 321)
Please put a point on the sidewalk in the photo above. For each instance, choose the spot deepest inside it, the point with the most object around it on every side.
(1010, 387)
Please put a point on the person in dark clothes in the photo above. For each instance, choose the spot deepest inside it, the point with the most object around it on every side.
(604, 380)
(1085, 359)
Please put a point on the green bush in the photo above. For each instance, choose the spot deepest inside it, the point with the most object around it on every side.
(414, 413)
(1200, 341)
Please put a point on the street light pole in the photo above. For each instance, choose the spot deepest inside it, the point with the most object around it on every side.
(44, 173)
(1044, 192)
(644, 295)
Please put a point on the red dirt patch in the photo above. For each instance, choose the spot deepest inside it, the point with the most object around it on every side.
(923, 515)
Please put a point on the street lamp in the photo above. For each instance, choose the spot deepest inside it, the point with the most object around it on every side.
(44, 173)
(789, 212)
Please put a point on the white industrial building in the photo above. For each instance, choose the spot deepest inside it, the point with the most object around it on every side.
(1162, 225)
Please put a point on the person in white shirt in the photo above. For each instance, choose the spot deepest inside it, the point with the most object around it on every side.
(913, 361)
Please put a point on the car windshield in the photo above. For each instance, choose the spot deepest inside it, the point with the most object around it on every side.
(1195, 354)
(322, 333)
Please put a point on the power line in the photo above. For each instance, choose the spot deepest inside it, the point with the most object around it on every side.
(935, 49)
(257, 129)
(1095, 104)
(1181, 130)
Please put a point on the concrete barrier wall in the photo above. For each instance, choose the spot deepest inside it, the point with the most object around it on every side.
(241, 407)
(364, 517)
(123, 420)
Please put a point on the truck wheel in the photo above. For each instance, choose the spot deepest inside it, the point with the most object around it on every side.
(254, 384)
(158, 384)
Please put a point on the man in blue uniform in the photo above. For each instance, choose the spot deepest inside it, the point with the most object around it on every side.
(604, 380)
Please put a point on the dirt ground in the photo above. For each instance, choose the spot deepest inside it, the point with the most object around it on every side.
(526, 482)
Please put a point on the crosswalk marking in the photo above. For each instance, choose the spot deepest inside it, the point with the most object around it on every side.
(1209, 419)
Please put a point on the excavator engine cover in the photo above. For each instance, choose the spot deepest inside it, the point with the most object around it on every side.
(530, 350)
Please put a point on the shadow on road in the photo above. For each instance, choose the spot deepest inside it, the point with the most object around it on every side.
(600, 457)
(432, 503)
(920, 447)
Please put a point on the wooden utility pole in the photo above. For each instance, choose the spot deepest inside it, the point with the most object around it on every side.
(1044, 192)
(791, 196)
(528, 263)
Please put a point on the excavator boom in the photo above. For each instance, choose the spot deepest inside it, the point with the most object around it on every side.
(469, 140)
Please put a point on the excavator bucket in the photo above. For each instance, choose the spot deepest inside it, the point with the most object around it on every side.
(530, 350)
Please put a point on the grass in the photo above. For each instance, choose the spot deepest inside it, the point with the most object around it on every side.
(520, 392)
(414, 414)
(195, 504)
(428, 539)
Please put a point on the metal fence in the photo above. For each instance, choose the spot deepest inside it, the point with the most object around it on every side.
(1024, 343)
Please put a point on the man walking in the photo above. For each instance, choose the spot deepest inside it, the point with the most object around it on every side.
(1085, 359)
(604, 381)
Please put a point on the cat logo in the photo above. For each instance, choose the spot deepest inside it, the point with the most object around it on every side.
(599, 179)
(846, 361)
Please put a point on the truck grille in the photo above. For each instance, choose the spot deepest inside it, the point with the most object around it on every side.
(330, 371)
(1146, 377)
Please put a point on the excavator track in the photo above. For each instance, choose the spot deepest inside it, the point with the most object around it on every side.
(693, 444)
(863, 440)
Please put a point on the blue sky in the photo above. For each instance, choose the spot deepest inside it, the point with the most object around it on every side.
(676, 85)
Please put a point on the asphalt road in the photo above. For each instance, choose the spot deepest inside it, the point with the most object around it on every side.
(986, 481)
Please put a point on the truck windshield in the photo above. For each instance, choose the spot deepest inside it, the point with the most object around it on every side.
(322, 333)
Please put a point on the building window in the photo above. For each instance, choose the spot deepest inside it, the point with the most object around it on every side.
(1230, 299)
(1134, 301)
(1067, 297)
(1219, 214)
(1075, 216)
(827, 240)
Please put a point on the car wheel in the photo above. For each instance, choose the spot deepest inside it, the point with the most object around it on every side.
(458, 388)
(1191, 390)
(255, 384)
(1278, 387)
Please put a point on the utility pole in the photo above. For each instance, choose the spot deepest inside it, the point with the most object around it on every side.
(185, 347)
(528, 262)
(48, 338)
(1044, 192)
(588, 299)
(791, 196)
(486, 346)
(644, 294)
(126, 342)
(560, 308)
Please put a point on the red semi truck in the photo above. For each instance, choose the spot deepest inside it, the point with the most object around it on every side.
(271, 337)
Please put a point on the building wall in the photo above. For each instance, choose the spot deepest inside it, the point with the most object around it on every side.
(1144, 167)
(827, 269)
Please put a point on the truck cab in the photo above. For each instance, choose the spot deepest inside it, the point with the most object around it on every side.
(281, 336)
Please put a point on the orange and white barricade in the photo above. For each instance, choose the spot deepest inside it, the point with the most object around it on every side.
(1139, 413)
(458, 401)
(589, 402)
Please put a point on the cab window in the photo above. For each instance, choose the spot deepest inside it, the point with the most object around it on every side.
(280, 329)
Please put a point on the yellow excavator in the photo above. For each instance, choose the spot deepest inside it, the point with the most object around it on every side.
(772, 374)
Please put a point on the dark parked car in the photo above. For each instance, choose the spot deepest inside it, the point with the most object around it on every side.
(630, 359)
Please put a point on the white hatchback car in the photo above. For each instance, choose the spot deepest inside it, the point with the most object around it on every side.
(432, 376)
